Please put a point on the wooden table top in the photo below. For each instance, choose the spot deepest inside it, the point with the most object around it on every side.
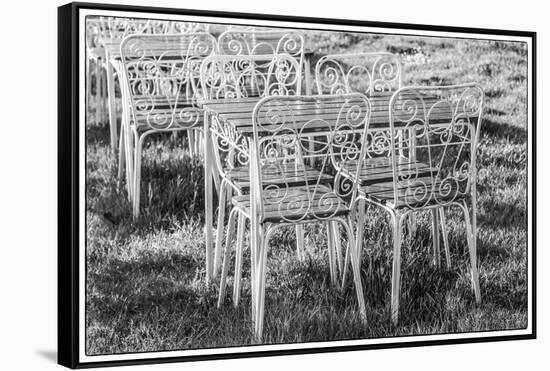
(238, 112)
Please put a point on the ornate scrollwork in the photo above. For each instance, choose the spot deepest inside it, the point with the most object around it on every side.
(368, 73)
(230, 77)
(231, 148)
(117, 28)
(234, 77)
(379, 143)
(443, 122)
(309, 152)
(253, 42)
(161, 73)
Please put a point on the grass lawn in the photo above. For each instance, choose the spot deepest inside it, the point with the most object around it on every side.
(145, 281)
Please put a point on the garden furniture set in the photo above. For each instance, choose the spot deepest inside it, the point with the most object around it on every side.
(285, 147)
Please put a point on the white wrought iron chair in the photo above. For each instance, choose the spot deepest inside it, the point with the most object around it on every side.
(432, 168)
(236, 77)
(255, 41)
(112, 31)
(367, 73)
(95, 54)
(282, 136)
(161, 73)
(376, 74)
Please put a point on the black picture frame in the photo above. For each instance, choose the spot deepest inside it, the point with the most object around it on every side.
(68, 181)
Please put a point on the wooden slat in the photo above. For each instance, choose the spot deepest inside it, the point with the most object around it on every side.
(276, 210)
(328, 113)
(238, 113)
(246, 109)
(144, 125)
(384, 192)
(246, 128)
(380, 170)
(282, 174)
(247, 104)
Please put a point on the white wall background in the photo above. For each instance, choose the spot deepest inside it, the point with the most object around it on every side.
(28, 182)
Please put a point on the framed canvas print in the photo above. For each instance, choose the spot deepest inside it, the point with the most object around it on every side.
(236, 185)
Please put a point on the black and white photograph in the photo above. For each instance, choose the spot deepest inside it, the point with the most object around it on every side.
(249, 184)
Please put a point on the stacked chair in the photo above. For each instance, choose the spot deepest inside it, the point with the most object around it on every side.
(241, 77)
(293, 183)
(242, 42)
(105, 35)
(393, 162)
(433, 167)
(377, 75)
(160, 74)
(95, 60)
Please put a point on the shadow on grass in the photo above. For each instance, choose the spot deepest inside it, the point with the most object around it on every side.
(159, 301)
(494, 92)
(172, 185)
(505, 131)
(135, 287)
(436, 80)
(98, 134)
(172, 188)
(502, 214)
(494, 111)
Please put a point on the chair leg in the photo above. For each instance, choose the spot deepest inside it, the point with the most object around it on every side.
(202, 143)
(331, 259)
(191, 141)
(105, 99)
(346, 265)
(98, 91)
(121, 156)
(174, 138)
(359, 237)
(197, 142)
(300, 242)
(217, 181)
(435, 239)
(137, 176)
(337, 247)
(473, 252)
(131, 139)
(445, 236)
(126, 146)
(354, 247)
(220, 227)
(103, 93)
(413, 224)
(396, 269)
(88, 86)
(208, 201)
(111, 103)
(223, 278)
(239, 260)
(261, 277)
(213, 173)
(256, 233)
